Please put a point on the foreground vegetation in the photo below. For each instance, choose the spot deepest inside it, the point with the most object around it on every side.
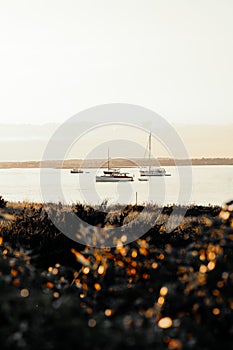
(162, 291)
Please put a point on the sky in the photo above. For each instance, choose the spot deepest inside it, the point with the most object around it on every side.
(28, 142)
(58, 57)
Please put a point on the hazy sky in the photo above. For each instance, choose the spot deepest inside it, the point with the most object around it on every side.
(27, 142)
(58, 57)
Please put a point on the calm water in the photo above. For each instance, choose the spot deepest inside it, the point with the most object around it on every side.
(210, 185)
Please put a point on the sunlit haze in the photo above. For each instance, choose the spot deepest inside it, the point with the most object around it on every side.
(60, 57)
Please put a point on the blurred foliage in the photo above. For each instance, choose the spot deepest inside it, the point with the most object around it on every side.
(162, 291)
(2, 202)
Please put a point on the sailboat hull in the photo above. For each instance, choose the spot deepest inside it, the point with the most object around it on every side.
(153, 173)
(76, 171)
(113, 179)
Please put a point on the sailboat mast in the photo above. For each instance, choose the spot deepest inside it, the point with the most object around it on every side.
(149, 152)
(108, 158)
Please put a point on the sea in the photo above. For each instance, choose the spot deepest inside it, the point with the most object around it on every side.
(201, 185)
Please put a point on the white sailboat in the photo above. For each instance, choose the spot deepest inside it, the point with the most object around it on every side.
(152, 170)
(114, 175)
(111, 170)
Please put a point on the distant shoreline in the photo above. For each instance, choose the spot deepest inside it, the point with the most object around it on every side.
(118, 162)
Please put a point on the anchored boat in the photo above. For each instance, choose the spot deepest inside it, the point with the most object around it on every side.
(76, 171)
(152, 170)
(113, 175)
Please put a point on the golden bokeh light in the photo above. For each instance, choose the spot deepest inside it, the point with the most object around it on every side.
(165, 322)
(92, 323)
(161, 300)
(101, 270)
(86, 270)
(163, 291)
(211, 265)
(203, 269)
(216, 311)
(108, 312)
(97, 287)
(24, 293)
